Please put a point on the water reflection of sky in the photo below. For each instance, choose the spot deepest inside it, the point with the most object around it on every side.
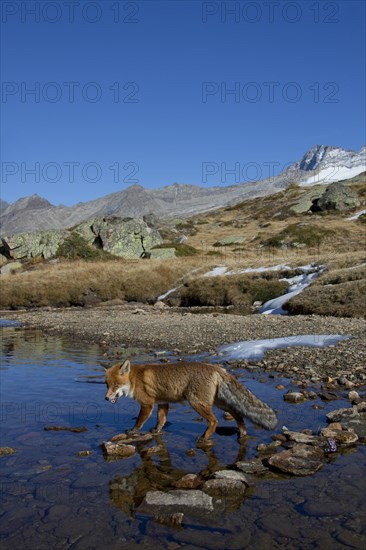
(51, 497)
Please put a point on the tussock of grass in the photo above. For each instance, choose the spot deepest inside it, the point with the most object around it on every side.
(67, 283)
(236, 290)
(75, 247)
(341, 300)
(181, 249)
(307, 234)
(339, 292)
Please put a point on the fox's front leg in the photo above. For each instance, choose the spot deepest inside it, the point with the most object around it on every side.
(163, 409)
(144, 414)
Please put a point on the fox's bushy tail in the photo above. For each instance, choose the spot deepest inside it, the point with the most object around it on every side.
(244, 402)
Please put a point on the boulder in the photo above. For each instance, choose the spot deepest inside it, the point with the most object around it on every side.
(294, 397)
(162, 253)
(10, 268)
(300, 460)
(252, 467)
(338, 196)
(231, 239)
(189, 481)
(343, 438)
(42, 244)
(124, 237)
(118, 449)
(305, 202)
(224, 487)
(179, 501)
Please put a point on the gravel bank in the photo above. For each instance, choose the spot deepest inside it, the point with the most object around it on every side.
(189, 333)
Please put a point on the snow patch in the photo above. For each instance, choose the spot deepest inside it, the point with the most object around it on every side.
(334, 173)
(163, 296)
(254, 350)
(357, 215)
(216, 271)
(296, 285)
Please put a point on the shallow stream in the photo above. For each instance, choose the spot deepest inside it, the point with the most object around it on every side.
(52, 498)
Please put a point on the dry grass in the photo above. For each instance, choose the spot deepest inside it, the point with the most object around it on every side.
(339, 292)
(236, 290)
(66, 283)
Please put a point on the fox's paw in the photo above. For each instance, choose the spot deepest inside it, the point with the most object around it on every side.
(132, 432)
(156, 431)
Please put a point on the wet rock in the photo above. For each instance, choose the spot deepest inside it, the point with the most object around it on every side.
(84, 453)
(353, 396)
(280, 387)
(294, 397)
(342, 437)
(4, 451)
(180, 500)
(227, 416)
(279, 437)
(65, 429)
(224, 487)
(170, 519)
(335, 426)
(119, 437)
(189, 481)
(269, 447)
(328, 396)
(339, 415)
(361, 407)
(191, 452)
(300, 460)
(300, 437)
(230, 474)
(160, 353)
(118, 449)
(252, 467)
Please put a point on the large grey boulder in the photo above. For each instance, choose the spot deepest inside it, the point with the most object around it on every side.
(32, 245)
(124, 237)
(338, 196)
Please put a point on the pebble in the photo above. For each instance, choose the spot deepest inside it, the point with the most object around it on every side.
(294, 397)
(4, 451)
(353, 396)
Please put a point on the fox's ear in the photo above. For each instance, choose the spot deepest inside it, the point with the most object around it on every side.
(105, 367)
(125, 367)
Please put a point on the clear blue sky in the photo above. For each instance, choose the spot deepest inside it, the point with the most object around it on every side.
(297, 68)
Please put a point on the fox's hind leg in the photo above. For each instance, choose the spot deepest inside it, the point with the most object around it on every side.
(163, 409)
(240, 423)
(206, 412)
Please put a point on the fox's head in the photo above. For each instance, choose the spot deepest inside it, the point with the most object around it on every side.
(117, 379)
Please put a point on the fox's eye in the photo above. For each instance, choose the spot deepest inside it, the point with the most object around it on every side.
(115, 386)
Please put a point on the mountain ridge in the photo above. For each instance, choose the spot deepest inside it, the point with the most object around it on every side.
(320, 164)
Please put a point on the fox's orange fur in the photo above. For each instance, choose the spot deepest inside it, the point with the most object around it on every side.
(201, 384)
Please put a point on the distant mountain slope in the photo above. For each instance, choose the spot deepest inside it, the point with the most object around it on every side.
(320, 164)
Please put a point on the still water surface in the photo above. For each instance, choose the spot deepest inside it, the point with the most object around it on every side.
(52, 498)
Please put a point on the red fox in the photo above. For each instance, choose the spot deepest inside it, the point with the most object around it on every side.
(201, 384)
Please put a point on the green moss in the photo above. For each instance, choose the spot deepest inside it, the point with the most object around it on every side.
(77, 247)
(181, 249)
(309, 235)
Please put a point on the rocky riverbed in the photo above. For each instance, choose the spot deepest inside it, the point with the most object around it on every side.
(186, 333)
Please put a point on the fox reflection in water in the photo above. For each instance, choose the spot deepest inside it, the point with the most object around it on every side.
(128, 492)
